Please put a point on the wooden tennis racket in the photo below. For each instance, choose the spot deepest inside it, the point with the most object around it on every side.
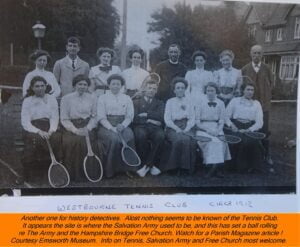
(198, 138)
(255, 135)
(58, 175)
(153, 77)
(231, 139)
(92, 165)
(129, 155)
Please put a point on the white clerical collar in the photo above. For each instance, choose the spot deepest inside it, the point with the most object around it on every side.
(173, 62)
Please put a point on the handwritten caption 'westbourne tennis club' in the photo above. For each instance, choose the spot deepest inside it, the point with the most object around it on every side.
(149, 229)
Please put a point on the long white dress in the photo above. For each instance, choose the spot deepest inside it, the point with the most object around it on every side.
(197, 80)
(212, 117)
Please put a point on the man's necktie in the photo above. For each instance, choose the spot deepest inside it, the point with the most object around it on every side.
(73, 64)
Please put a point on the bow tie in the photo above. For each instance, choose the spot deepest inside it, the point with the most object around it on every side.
(105, 68)
(212, 104)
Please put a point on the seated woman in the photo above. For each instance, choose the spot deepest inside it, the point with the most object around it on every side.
(180, 119)
(39, 119)
(245, 114)
(114, 113)
(210, 117)
(40, 59)
(99, 73)
(78, 117)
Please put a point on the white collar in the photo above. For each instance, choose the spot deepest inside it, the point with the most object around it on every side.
(256, 65)
(200, 69)
(135, 67)
(39, 70)
(71, 60)
(173, 62)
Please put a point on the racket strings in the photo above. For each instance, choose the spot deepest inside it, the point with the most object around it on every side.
(130, 157)
(58, 176)
(93, 169)
(230, 138)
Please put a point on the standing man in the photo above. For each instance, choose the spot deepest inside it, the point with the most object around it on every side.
(262, 76)
(168, 70)
(148, 126)
(70, 66)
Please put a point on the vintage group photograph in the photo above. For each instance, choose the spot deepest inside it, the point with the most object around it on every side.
(149, 97)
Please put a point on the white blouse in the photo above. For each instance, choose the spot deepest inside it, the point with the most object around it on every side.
(99, 77)
(241, 108)
(110, 104)
(34, 108)
(197, 80)
(228, 78)
(48, 76)
(134, 77)
(177, 109)
(75, 106)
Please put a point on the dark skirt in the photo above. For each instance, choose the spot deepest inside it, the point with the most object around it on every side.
(75, 149)
(110, 144)
(248, 154)
(36, 158)
(181, 152)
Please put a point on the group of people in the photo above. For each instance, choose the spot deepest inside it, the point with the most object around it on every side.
(158, 119)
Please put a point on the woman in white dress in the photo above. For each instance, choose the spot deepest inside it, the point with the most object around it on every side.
(210, 118)
(198, 78)
(39, 119)
(99, 73)
(41, 59)
(245, 114)
(228, 78)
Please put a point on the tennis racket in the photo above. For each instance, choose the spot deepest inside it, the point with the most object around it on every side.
(92, 165)
(58, 175)
(231, 139)
(129, 156)
(198, 138)
(153, 77)
(255, 135)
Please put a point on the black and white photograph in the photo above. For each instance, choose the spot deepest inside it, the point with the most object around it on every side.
(126, 97)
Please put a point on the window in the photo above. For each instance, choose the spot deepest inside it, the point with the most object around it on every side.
(297, 28)
(288, 67)
(279, 34)
(268, 36)
(252, 31)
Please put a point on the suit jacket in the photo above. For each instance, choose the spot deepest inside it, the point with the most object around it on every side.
(64, 73)
(167, 72)
(154, 110)
(263, 82)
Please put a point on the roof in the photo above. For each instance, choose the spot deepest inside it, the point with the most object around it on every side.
(281, 48)
(279, 15)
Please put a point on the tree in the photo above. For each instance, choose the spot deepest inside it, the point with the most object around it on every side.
(95, 22)
(202, 28)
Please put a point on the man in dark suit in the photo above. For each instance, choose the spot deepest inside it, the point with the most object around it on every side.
(168, 70)
(148, 126)
(262, 76)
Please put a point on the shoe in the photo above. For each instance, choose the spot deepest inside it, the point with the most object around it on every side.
(143, 171)
(269, 160)
(155, 171)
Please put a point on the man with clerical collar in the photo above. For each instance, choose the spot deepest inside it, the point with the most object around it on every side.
(70, 66)
(148, 129)
(262, 76)
(168, 70)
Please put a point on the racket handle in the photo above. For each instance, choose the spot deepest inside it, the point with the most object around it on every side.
(89, 146)
(51, 151)
(122, 139)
